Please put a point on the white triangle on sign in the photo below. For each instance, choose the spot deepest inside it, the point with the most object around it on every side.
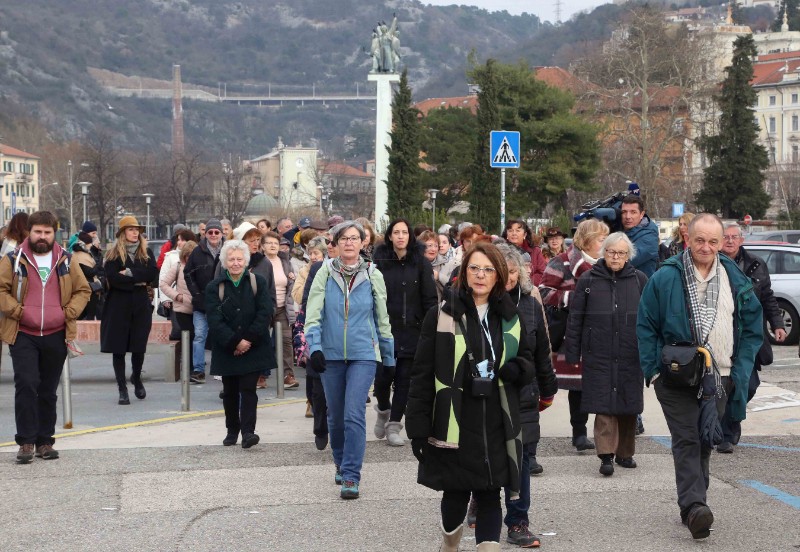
(504, 153)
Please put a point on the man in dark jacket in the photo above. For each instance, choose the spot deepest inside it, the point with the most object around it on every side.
(719, 310)
(642, 231)
(199, 272)
(756, 269)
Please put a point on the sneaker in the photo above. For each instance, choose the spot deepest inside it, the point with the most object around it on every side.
(289, 382)
(472, 513)
(338, 477)
(218, 378)
(607, 465)
(626, 462)
(699, 521)
(25, 454)
(262, 382)
(197, 377)
(725, 447)
(521, 536)
(536, 467)
(46, 452)
(349, 490)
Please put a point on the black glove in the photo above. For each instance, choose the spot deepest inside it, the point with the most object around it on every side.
(316, 362)
(510, 371)
(416, 448)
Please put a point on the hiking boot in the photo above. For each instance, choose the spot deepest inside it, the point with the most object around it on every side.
(262, 382)
(349, 490)
(46, 452)
(725, 447)
(250, 440)
(472, 513)
(699, 521)
(25, 454)
(536, 467)
(581, 442)
(289, 382)
(521, 536)
(626, 462)
(197, 377)
(338, 477)
(607, 464)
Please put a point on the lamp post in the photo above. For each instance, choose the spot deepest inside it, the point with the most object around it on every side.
(148, 198)
(321, 190)
(433, 193)
(71, 184)
(84, 192)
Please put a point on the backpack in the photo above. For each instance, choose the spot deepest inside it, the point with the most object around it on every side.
(253, 285)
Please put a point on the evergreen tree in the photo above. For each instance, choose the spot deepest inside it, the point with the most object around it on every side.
(405, 176)
(733, 183)
(484, 191)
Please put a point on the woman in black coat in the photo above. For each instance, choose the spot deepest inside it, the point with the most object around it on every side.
(463, 414)
(130, 270)
(238, 325)
(602, 332)
(410, 293)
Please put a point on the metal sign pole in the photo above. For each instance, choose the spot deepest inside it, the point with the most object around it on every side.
(186, 344)
(502, 199)
(66, 392)
(278, 333)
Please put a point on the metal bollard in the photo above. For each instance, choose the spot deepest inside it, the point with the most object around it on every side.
(66, 392)
(278, 333)
(186, 368)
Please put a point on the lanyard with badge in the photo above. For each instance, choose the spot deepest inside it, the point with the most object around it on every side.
(482, 373)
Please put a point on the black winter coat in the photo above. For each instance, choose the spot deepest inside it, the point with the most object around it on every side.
(199, 271)
(755, 268)
(602, 330)
(128, 312)
(544, 385)
(240, 315)
(481, 443)
(410, 293)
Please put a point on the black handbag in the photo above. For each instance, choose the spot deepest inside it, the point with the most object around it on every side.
(556, 325)
(682, 364)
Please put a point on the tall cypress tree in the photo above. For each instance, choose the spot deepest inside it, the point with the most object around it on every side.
(484, 192)
(405, 175)
(733, 181)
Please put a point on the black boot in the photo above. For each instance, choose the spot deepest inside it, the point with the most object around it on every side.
(138, 387)
(119, 373)
(123, 396)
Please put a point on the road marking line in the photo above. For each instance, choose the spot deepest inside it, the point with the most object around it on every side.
(777, 494)
(155, 421)
(667, 442)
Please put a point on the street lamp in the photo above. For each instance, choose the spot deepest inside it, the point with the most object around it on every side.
(148, 198)
(84, 192)
(433, 193)
(71, 184)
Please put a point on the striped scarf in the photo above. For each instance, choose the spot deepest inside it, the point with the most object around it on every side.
(703, 314)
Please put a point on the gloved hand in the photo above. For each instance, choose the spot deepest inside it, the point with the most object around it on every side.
(545, 403)
(416, 448)
(510, 371)
(316, 362)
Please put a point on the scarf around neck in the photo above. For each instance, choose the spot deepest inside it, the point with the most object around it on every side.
(131, 248)
(347, 270)
(703, 314)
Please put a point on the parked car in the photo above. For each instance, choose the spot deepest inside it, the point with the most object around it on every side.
(783, 263)
(787, 236)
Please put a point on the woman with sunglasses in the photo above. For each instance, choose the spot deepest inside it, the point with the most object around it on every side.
(463, 414)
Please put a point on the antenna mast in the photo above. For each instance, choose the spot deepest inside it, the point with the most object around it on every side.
(558, 11)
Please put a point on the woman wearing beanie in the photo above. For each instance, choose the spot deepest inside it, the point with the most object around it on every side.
(82, 255)
(128, 314)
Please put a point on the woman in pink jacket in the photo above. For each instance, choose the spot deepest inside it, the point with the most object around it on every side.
(172, 285)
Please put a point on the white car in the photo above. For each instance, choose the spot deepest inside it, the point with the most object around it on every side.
(783, 263)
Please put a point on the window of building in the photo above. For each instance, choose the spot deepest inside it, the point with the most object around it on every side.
(795, 123)
(8, 166)
(794, 98)
(772, 152)
(772, 124)
(772, 100)
(795, 153)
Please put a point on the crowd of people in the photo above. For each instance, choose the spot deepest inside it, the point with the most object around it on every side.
(464, 337)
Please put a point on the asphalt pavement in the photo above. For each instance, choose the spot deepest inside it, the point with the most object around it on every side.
(150, 477)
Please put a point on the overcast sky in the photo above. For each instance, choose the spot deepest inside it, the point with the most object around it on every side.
(544, 9)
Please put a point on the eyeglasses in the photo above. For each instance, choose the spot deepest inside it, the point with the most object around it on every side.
(731, 238)
(351, 239)
(487, 270)
(212, 232)
(615, 254)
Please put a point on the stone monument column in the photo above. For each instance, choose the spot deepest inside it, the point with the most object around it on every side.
(383, 140)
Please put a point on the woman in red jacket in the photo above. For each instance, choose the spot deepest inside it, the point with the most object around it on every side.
(518, 233)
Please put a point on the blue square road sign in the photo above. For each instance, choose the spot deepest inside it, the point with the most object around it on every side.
(504, 149)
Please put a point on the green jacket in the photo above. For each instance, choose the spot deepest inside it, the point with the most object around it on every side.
(663, 319)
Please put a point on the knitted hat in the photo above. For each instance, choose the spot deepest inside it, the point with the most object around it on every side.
(88, 226)
(177, 228)
(213, 224)
(241, 230)
(128, 221)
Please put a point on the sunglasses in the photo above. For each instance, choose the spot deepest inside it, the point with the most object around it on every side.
(213, 232)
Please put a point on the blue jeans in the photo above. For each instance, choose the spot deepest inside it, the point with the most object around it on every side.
(199, 344)
(346, 385)
(517, 510)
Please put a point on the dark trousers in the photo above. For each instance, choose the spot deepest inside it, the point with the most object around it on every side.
(731, 430)
(517, 510)
(137, 361)
(185, 324)
(319, 406)
(577, 419)
(489, 518)
(38, 362)
(400, 382)
(682, 412)
(239, 400)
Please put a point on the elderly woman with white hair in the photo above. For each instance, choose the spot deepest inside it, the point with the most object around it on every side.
(239, 310)
(601, 332)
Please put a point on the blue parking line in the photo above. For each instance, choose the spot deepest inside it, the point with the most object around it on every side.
(791, 421)
(661, 440)
(777, 494)
(769, 447)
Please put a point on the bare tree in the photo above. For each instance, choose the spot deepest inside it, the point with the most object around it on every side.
(184, 186)
(105, 170)
(235, 188)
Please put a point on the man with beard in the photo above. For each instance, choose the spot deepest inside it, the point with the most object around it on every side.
(41, 296)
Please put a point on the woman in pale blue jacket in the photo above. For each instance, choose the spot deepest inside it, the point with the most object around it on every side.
(348, 336)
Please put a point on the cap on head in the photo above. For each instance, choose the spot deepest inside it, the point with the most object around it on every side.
(88, 226)
(305, 222)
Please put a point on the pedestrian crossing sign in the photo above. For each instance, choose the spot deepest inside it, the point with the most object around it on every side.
(504, 149)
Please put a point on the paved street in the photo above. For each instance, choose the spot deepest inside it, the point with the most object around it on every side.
(170, 485)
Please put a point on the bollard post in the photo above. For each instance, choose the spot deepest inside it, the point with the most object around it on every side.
(66, 392)
(185, 369)
(278, 333)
